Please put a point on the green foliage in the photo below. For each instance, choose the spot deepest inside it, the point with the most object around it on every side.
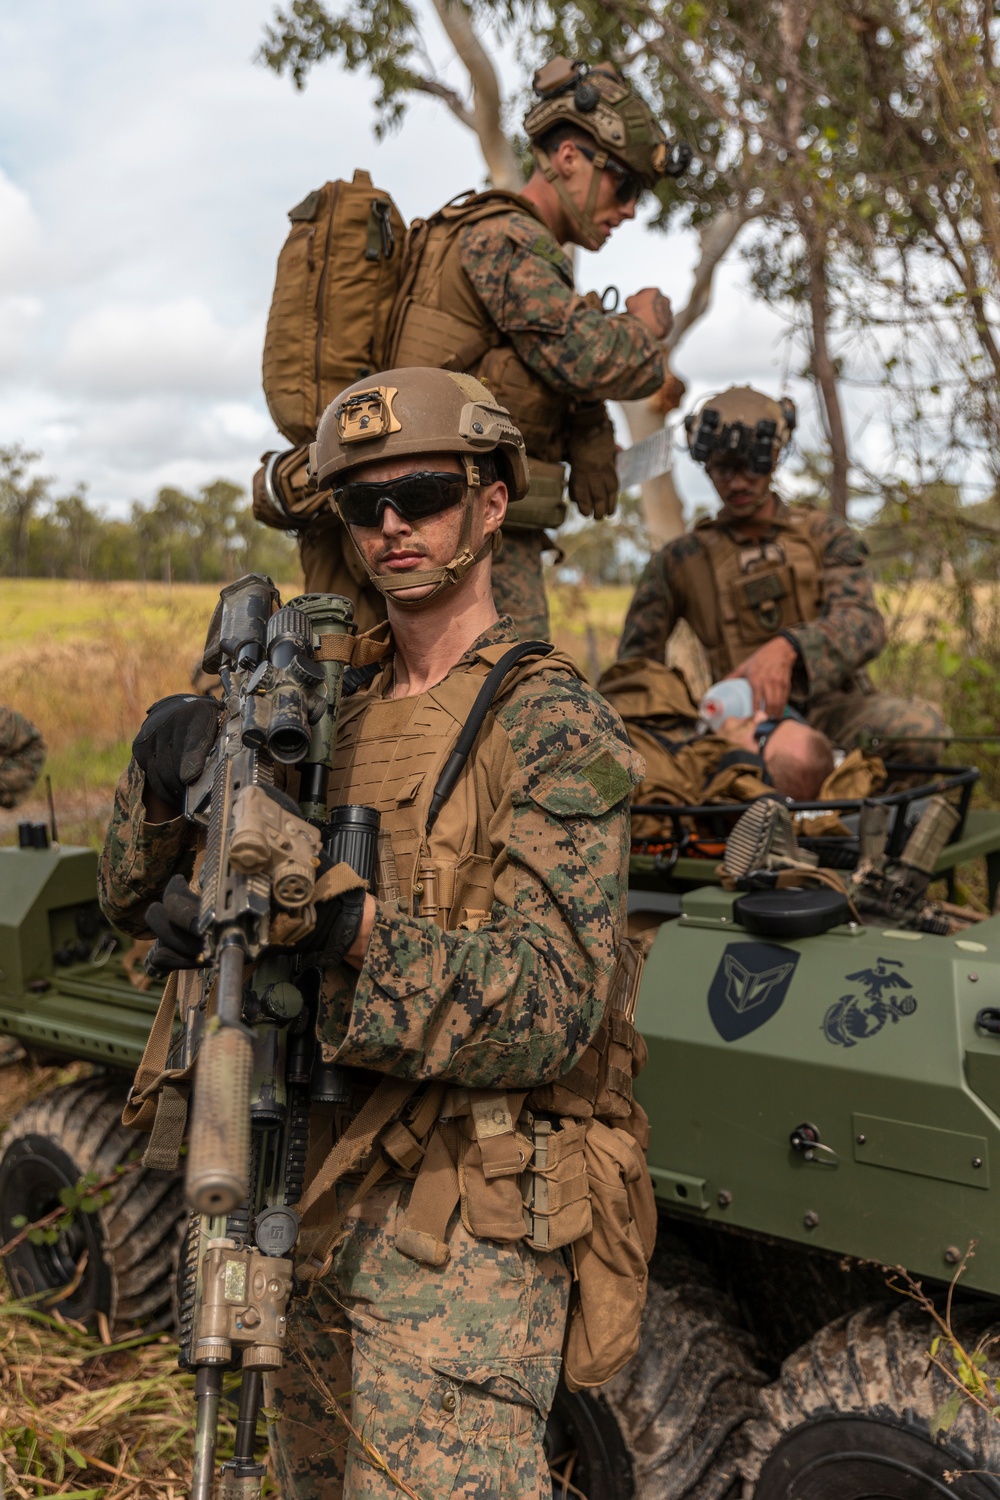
(381, 36)
(86, 1196)
(210, 536)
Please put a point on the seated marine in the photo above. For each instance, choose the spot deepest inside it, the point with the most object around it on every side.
(779, 594)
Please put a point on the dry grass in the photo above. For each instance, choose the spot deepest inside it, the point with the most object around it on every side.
(82, 1418)
(83, 662)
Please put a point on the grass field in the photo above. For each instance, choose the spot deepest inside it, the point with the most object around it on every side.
(83, 662)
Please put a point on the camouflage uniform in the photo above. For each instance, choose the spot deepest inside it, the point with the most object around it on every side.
(828, 684)
(453, 1371)
(22, 756)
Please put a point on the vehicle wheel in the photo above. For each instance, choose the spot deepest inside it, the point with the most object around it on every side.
(586, 1450)
(683, 1402)
(131, 1242)
(849, 1417)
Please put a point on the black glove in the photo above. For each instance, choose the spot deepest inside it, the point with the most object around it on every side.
(337, 924)
(174, 743)
(172, 921)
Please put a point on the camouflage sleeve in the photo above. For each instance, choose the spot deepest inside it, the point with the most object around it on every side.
(654, 610)
(850, 630)
(525, 283)
(514, 1003)
(138, 858)
(22, 756)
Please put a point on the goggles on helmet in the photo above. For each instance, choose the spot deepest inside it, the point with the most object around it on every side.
(628, 188)
(732, 445)
(413, 496)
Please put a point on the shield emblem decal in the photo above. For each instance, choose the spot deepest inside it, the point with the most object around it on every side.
(749, 987)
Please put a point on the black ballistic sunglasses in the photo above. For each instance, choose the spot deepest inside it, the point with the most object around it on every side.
(414, 497)
(627, 184)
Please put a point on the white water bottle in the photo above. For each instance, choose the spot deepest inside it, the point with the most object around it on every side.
(732, 698)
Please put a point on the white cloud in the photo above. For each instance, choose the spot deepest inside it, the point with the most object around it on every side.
(19, 318)
(20, 238)
(119, 348)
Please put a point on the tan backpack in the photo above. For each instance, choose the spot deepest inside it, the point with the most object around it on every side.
(338, 273)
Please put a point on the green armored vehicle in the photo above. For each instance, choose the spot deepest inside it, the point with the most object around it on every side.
(824, 1095)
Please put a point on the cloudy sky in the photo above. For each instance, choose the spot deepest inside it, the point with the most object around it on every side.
(146, 168)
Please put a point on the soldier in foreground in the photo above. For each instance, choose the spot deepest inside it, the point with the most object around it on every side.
(487, 288)
(22, 756)
(779, 594)
(480, 972)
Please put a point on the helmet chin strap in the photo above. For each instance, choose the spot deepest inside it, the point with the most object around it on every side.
(442, 578)
(581, 219)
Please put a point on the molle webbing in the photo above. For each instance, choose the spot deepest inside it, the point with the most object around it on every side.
(741, 594)
(439, 320)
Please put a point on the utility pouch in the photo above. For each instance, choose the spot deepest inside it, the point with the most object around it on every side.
(492, 1156)
(554, 1189)
(618, 1055)
(764, 603)
(611, 1260)
(284, 495)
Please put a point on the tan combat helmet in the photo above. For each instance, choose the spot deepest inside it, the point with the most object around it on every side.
(743, 426)
(600, 102)
(406, 413)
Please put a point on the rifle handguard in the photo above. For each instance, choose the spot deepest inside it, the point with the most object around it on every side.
(218, 1163)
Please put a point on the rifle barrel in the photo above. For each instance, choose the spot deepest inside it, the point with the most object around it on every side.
(208, 1391)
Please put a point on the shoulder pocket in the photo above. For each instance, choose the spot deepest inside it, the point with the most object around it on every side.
(591, 781)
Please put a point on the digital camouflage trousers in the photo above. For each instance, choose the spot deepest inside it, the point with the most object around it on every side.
(446, 1376)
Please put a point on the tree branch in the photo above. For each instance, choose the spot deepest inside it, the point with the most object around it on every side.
(824, 371)
(448, 96)
(487, 104)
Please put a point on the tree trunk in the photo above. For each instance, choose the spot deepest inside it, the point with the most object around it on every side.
(825, 373)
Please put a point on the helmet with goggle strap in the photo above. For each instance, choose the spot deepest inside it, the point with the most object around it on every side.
(407, 413)
(600, 102)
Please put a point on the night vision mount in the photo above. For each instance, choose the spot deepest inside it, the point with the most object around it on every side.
(751, 447)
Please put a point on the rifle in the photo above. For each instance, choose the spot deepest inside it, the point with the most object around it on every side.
(254, 1057)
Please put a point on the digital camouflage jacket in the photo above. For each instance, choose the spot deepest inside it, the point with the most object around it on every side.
(836, 632)
(525, 282)
(516, 1000)
(22, 756)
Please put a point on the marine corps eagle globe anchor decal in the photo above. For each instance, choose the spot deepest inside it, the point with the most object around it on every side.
(855, 1018)
(749, 987)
